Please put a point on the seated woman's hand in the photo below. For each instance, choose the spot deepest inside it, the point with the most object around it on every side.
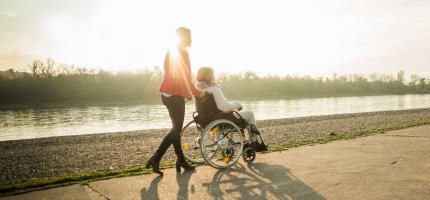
(238, 106)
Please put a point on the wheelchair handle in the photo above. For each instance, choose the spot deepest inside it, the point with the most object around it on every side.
(194, 114)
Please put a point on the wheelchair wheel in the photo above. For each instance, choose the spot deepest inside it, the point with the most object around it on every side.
(249, 155)
(222, 143)
(190, 143)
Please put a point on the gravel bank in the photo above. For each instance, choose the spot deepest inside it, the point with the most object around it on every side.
(59, 156)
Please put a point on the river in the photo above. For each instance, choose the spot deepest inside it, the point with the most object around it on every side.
(24, 122)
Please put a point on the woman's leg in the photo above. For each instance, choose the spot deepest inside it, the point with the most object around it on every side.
(248, 116)
(176, 107)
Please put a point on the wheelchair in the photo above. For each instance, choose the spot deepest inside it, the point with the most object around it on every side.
(218, 138)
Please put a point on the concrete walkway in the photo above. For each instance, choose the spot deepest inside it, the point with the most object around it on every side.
(394, 165)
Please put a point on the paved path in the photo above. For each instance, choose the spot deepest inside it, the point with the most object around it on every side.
(394, 165)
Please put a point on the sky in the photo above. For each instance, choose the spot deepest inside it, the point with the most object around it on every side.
(278, 37)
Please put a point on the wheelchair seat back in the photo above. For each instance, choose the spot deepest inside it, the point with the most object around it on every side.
(208, 111)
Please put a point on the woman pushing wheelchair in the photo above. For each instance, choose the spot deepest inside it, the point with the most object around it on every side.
(175, 88)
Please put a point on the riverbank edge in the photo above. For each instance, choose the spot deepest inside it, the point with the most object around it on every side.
(28, 185)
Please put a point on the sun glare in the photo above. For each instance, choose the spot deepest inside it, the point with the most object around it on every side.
(288, 38)
(174, 54)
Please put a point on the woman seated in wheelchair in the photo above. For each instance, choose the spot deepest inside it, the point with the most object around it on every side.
(216, 106)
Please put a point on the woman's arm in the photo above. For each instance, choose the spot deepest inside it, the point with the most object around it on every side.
(221, 102)
(190, 84)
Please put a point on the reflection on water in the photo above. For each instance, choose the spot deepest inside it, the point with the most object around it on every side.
(53, 120)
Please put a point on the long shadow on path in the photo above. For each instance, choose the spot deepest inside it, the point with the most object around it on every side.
(256, 181)
(181, 179)
(152, 191)
(259, 181)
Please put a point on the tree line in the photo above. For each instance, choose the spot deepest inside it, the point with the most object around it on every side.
(47, 82)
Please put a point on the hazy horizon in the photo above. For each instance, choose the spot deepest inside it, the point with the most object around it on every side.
(267, 37)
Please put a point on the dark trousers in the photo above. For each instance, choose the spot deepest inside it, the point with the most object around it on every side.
(176, 107)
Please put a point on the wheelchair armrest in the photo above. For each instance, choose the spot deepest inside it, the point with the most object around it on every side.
(238, 114)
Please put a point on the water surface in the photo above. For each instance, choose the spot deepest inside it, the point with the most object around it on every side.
(22, 122)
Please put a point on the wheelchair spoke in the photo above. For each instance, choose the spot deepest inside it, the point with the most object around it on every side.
(236, 144)
(211, 145)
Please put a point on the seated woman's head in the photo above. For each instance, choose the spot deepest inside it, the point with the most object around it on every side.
(206, 75)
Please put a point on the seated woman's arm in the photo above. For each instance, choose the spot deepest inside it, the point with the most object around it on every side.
(221, 102)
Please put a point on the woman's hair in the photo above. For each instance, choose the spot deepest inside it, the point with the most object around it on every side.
(183, 32)
(206, 74)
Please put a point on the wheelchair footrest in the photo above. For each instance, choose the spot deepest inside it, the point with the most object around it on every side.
(259, 147)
